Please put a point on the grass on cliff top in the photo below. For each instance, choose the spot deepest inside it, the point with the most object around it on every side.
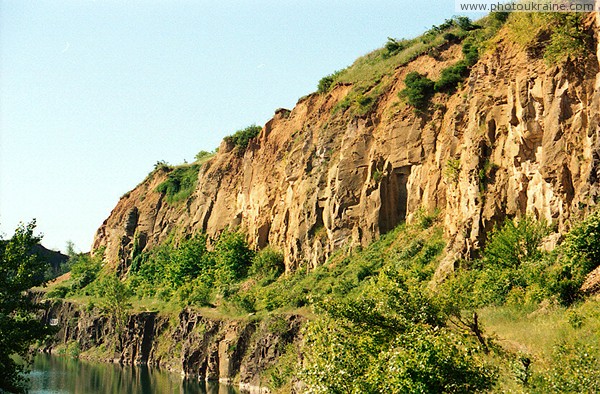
(180, 183)
(370, 74)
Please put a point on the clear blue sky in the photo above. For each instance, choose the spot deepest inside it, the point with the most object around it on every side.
(93, 93)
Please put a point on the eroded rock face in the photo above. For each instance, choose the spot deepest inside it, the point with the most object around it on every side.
(189, 343)
(518, 138)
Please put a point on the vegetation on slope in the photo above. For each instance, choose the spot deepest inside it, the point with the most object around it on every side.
(241, 138)
(513, 319)
(20, 270)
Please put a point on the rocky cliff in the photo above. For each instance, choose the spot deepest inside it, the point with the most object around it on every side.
(518, 137)
(229, 351)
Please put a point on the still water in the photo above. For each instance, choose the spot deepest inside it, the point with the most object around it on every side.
(62, 375)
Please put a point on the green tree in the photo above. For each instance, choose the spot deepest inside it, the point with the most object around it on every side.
(84, 267)
(513, 244)
(20, 270)
(116, 304)
(233, 257)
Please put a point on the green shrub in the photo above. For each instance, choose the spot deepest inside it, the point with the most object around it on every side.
(241, 138)
(512, 244)
(418, 91)
(390, 338)
(84, 268)
(582, 243)
(326, 82)
(203, 155)
(470, 53)
(451, 77)
(58, 292)
(268, 263)
(464, 23)
(451, 37)
(188, 260)
(233, 257)
(194, 292)
(568, 39)
(393, 46)
(180, 183)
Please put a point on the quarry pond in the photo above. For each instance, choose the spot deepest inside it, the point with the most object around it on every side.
(61, 375)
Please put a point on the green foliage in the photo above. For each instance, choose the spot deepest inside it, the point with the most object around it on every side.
(513, 244)
(162, 165)
(418, 91)
(512, 269)
(393, 46)
(391, 338)
(241, 138)
(115, 295)
(499, 16)
(233, 257)
(267, 264)
(187, 271)
(582, 243)
(327, 82)
(465, 23)
(203, 156)
(451, 77)
(180, 183)
(574, 369)
(568, 39)
(566, 32)
(281, 374)
(452, 170)
(471, 53)
(84, 268)
(20, 270)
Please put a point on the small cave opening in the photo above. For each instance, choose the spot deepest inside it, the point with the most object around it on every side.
(394, 197)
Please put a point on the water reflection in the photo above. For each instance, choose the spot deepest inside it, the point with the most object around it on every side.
(62, 375)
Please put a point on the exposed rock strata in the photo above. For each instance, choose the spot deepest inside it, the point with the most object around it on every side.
(518, 138)
(229, 351)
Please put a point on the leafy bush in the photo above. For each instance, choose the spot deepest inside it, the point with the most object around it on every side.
(326, 82)
(513, 244)
(268, 263)
(241, 138)
(194, 292)
(568, 39)
(233, 257)
(582, 243)
(85, 268)
(393, 46)
(203, 155)
(512, 269)
(188, 271)
(471, 53)
(418, 91)
(464, 23)
(451, 77)
(390, 338)
(188, 260)
(180, 183)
